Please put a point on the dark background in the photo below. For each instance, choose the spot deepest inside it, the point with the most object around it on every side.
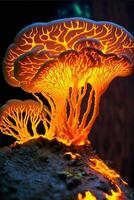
(113, 133)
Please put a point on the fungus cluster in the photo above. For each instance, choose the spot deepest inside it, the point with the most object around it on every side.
(60, 60)
(71, 63)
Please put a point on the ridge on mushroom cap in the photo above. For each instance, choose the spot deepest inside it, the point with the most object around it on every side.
(88, 64)
(41, 42)
(13, 103)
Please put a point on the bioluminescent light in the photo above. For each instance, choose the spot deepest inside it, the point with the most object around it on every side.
(60, 59)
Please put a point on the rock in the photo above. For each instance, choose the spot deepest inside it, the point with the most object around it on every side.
(44, 170)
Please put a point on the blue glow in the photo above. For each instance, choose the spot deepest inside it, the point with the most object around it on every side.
(77, 8)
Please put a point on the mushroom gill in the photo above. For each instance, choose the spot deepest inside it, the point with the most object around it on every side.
(21, 119)
(60, 60)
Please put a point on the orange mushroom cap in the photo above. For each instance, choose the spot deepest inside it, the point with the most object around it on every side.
(38, 47)
(88, 65)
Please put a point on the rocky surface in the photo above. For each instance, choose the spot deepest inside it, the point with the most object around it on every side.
(43, 170)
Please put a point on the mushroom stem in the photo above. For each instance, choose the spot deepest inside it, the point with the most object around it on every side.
(84, 119)
(83, 133)
(38, 99)
(95, 114)
(78, 109)
(71, 111)
(43, 107)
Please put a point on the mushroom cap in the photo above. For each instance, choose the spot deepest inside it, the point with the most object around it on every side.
(88, 65)
(31, 60)
(17, 104)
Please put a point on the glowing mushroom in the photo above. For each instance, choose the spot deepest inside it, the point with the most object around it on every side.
(60, 59)
(21, 119)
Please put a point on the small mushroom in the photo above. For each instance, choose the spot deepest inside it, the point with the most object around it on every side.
(21, 119)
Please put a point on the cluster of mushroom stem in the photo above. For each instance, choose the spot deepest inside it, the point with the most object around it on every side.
(67, 123)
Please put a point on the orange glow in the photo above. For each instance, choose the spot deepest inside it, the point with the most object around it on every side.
(73, 155)
(87, 196)
(41, 42)
(99, 166)
(60, 60)
(17, 116)
(115, 195)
